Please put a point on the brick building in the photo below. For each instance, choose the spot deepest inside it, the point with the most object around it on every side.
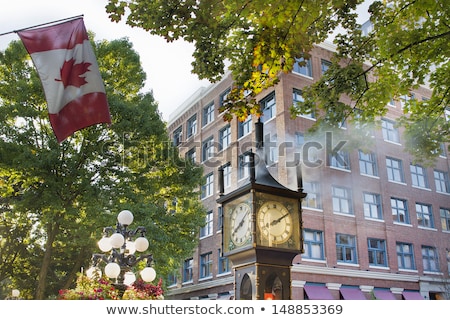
(375, 225)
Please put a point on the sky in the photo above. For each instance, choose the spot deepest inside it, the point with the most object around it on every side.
(167, 65)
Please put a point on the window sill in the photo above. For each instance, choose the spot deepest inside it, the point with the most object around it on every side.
(427, 228)
(398, 182)
(205, 278)
(403, 224)
(344, 214)
(369, 176)
(421, 188)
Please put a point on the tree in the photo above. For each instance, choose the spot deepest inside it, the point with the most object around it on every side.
(261, 40)
(56, 198)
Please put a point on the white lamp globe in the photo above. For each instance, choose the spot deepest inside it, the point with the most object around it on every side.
(148, 274)
(94, 273)
(125, 217)
(130, 247)
(129, 278)
(15, 293)
(117, 240)
(105, 244)
(112, 270)
(141, 244)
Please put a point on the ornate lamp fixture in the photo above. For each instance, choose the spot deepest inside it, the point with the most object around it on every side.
(120, 245)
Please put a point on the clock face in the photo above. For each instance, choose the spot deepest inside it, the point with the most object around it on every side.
(241, 228)
(275, 222)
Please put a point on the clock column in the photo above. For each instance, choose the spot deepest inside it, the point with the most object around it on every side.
(262, 231)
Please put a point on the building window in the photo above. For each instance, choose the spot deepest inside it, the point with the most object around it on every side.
(244, 166)
(303, 67)
(312, 199)
(340, 160)
(368, 163)
(418, 176)
(325, 65)
(405, 256)
(346, 248)
(390, 132)
(298, 98)
(441, 181)
(442, 153)
(406, 98)
(313, 244)
(208, 114)
(177, 135)
(445, 219)
(172, 279)
(273, 149)
(245, 127)
(227, 175)
(224, 263)
(372, 206)
(424, 215)
(395, 170)
(223, 96)
(205, 265)
(399, 210)
(187, 270)
(208, 149)
(207, 229)
(342, 200)
(448, 260)
(192, 126)
(208, 187)
(377, 252)
(430, 259)
(224, 137)
(268, 107)
(191, 155)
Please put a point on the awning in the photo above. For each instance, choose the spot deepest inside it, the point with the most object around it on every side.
(412, 295)
(318, 293)
(384, 295)
(352, 294)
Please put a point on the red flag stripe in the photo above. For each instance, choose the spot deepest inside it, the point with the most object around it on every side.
(83, 112)
(59, 36)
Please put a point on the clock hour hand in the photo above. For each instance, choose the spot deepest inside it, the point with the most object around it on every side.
(276, 221)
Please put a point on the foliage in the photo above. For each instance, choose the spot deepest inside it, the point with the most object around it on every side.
(261, 40)
(87, 289)
(407, 48)
(56, 198)
(104, 289)
(141, 290)
(258, 38)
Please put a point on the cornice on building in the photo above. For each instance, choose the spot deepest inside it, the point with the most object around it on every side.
(354, 273)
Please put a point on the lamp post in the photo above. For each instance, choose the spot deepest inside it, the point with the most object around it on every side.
(119, 245)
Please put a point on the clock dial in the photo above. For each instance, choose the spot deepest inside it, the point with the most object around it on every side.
(275, 222)
(241, 228)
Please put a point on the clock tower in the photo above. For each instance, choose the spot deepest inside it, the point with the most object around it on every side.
(262, 231)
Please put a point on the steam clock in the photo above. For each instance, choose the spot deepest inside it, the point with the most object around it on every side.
(262, 233)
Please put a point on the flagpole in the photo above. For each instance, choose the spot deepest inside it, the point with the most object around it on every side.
(42, 24)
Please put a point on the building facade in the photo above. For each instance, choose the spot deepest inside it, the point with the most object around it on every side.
(376, 225)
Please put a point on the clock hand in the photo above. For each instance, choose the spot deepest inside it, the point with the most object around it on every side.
(276, 221)
(240, 223)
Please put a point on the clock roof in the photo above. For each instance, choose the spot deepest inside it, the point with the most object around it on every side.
(260, 177)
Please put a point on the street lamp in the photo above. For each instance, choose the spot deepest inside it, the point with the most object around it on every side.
(120, 245)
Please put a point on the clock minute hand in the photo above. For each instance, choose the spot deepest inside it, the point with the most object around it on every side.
(276, 221)
(240, 223)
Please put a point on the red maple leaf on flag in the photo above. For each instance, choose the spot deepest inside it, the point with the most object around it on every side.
(72, 74)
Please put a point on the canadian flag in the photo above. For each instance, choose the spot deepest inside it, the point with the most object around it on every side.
(68, 69)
